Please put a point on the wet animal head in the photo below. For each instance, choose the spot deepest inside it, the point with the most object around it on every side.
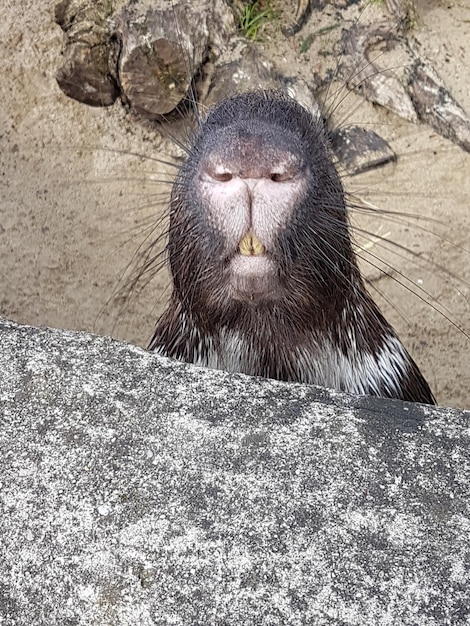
(258, 213)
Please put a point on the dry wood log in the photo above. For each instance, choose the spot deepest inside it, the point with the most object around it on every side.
(162, 48)
(163, 43)
(85, 74)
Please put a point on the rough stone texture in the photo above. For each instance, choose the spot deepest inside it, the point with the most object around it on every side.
(135, 490)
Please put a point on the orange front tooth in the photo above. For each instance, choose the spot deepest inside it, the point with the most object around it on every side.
(250, 245)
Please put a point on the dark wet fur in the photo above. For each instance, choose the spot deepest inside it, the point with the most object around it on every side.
(314, 256)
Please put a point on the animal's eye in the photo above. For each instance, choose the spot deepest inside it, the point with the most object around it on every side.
(223, 177)
(279, 177)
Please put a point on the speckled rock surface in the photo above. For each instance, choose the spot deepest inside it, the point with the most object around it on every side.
(137, 491)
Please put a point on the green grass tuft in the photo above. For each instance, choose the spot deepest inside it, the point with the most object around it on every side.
(252, 17)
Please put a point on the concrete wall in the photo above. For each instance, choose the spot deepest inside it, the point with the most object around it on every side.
(138, 491)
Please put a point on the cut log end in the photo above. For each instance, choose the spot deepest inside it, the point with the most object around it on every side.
(155, 78)
(85, 77)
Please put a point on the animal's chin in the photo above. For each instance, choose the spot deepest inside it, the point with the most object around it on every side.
(254, 278)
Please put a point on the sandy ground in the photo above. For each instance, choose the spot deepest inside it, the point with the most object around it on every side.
(77, 201)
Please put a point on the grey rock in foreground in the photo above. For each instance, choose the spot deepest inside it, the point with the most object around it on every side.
(138, 491)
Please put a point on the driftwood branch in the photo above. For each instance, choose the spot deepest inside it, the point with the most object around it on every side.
(413, 90)
(362, 74)
(436, 106)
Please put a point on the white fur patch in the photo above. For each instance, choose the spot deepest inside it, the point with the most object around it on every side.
(359, 372)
